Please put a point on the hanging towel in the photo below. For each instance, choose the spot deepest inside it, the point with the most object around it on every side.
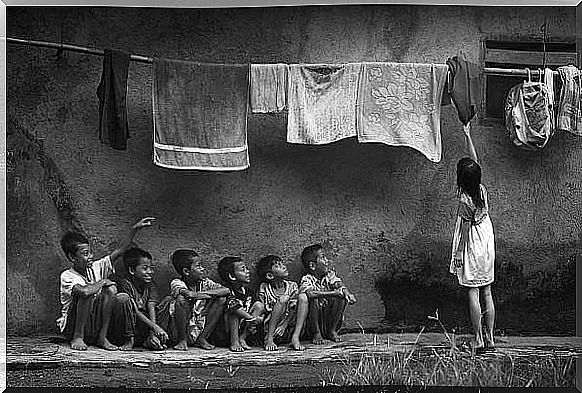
(268, 87)
(200, 115)
(569, 116)
(464, 87)
(400, 104)
(322, 103)
(112, 92)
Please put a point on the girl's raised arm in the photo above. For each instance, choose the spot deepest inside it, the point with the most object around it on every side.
(470, 147)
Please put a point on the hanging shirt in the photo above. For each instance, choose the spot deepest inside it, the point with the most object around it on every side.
(464, 87)
(322, 103)
(569, 116)
(268, 87)
(399, 104)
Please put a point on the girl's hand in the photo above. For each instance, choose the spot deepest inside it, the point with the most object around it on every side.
(467, 129)
(144, 222)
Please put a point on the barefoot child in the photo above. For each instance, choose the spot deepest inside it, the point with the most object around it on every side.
(243, 312)
(134, 307)
(86, 291)
(327, 295)
(286, 308)
(473, 251)
(197, 302)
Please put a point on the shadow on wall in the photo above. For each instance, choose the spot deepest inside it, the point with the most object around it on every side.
(540, 302)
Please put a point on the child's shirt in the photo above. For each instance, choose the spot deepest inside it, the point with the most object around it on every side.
(328, 283)
(239, 297)
(198, 306)
(269, 297)
(97, 270)
(150, 293)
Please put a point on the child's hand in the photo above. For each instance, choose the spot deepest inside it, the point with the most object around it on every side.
(339, 293)
(107, 282)
(144, 222)
(160, 334)
(350, 298)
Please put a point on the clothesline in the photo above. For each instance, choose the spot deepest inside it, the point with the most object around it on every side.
(150, 60)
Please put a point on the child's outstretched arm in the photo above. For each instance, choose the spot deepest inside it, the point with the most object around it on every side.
(144, 222)
(470, 147)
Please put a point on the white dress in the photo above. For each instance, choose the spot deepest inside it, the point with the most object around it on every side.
(479, 251)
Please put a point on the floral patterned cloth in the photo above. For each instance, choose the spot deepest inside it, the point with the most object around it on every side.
(399, 104)
(322, 103)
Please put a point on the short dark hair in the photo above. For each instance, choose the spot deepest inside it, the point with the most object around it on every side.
(265, 264)
(226, 267)
(71, 240)
(182, 259)
(309, 254)
(132, 257)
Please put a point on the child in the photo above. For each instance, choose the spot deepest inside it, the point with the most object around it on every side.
(86, 290)
(197, 302)
(286, 307)
(243, 313)
(473, 252)
(134, 307)
(327, 295)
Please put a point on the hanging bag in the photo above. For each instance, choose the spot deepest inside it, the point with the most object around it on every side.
(529, 114)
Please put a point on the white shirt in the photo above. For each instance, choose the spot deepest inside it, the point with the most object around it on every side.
(96, 271)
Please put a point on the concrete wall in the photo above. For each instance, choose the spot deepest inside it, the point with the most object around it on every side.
(385, 214)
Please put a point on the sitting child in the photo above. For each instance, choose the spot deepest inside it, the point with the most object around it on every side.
(327, 295)
(243, 312)
(86, 290)
(286, 308)
(134, 307)
(196, 303)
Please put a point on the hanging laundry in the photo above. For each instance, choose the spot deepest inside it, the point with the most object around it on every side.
(569, 117)
(112, 93)
(322, 103)
(464, 87)
(399, 104)
(268, 87)
(200, 115)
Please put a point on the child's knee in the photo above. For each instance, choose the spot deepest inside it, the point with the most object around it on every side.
(110, 291)
(122, 298)
(302, 299)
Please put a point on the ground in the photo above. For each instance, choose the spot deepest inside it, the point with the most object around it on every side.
(46, 361)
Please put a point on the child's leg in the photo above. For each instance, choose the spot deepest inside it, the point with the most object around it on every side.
(107, 294)
(302, 307)
(123, 321)
(334, 317)
(83, 307)
(215, 312)
(183, 313)
(475, 313)
(313, 314)
(233, 323)
(257, 309)
(489, 315)
(276, 314)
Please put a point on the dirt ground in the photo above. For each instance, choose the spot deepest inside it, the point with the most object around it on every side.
(46, 361)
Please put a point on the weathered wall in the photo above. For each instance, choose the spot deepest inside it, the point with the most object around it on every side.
(385, 214)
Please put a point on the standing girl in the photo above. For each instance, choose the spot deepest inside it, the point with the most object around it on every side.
(473, 253)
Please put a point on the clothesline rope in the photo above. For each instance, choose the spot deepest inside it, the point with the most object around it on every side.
(150, 60)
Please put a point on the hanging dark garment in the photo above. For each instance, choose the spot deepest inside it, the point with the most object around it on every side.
(112, 92)
(464, 87)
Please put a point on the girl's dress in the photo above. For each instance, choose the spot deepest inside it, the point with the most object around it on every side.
(479, 251)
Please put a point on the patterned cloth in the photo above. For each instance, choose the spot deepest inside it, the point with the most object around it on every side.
(97, 270)
(479, 251)
(269, 298)
(569, 116)
(322, 103)
(200, 115)
(399, 104)
(240, 297)
(268, 87)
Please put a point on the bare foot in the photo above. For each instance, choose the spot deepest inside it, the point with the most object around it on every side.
(317, 339)
(270, 344)
(105, 344)
(296, 344)
(244, 344)
(78, 344)
(128, 345)
(489, 341)
(333, 336)
(202, 343)
(182, 345)
(236, 347)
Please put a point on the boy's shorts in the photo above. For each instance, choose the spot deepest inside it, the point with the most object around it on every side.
(94, 319)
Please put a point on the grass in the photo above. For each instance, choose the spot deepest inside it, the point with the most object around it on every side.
(450, 366)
